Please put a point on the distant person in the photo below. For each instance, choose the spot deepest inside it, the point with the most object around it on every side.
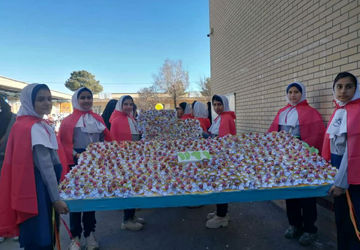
(341, 147)
(200, 113)
(209, 110)
(304, 122)
(7, 119)
(179, 112)
(192, 104)
(109, 109)
(184, 111)
(30, 174)
(135, 111)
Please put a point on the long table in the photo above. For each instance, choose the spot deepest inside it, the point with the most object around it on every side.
(197, 199)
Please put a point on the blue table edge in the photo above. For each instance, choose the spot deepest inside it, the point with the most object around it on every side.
(279, 193)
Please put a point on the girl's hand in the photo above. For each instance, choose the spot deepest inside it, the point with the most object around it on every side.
(336, 191)
(61, 207)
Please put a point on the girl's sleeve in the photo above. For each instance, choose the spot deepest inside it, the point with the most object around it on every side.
(341, 176)
(43, 162)
(275, 124)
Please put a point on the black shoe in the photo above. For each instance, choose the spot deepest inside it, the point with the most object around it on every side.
(292, 232)
(307, 239)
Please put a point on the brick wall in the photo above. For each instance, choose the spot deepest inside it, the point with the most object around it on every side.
(260, 46)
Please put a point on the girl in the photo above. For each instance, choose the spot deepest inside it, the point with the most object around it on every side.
(341, 146)
(184, 111)
(223, 124)
(124, 128)
(109, 109)
(304, 122)
(209, 111)
(77, 131)
(30, 174)
(7, 119)
(200, 113)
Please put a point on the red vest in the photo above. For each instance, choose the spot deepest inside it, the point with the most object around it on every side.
(204, 123)
(227, 123)
(120, 128)
(312, 128)
(353, 141)
(66, 132)
(187, 116)
(18, 199)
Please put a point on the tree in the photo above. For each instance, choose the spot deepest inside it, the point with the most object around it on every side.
(83, 78)
(172, 79)
(148, 97)
(205, 86)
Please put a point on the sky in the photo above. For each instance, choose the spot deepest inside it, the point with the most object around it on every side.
(122, 42)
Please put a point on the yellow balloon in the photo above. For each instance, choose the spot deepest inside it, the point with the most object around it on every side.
(159, 106)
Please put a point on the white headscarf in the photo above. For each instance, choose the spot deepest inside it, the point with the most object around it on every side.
(303, 93)
(119, 104)
(338, 124)
(132, 123)
(200, 110)
(187, 109)
(215, 126)
(27, 107)
(225, 103)
(41, 132)
(290, 117)
(86, 122)
(75, 101)
(355, 97)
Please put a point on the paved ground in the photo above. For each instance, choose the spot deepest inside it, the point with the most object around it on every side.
(253, 226)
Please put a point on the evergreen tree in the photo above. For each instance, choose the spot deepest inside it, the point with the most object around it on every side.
(83, 78)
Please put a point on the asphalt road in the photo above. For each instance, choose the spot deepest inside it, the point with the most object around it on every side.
(253, 226)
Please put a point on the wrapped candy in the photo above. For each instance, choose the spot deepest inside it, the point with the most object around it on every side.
(164, 125)
(150, 168)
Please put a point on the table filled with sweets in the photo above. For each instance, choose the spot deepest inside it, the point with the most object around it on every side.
(187, 170)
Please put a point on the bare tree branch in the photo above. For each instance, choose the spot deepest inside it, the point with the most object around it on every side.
(148, 97)
(205, 86)
(172, 79)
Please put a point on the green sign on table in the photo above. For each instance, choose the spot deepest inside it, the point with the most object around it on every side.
(190, 156)
(311, 149)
